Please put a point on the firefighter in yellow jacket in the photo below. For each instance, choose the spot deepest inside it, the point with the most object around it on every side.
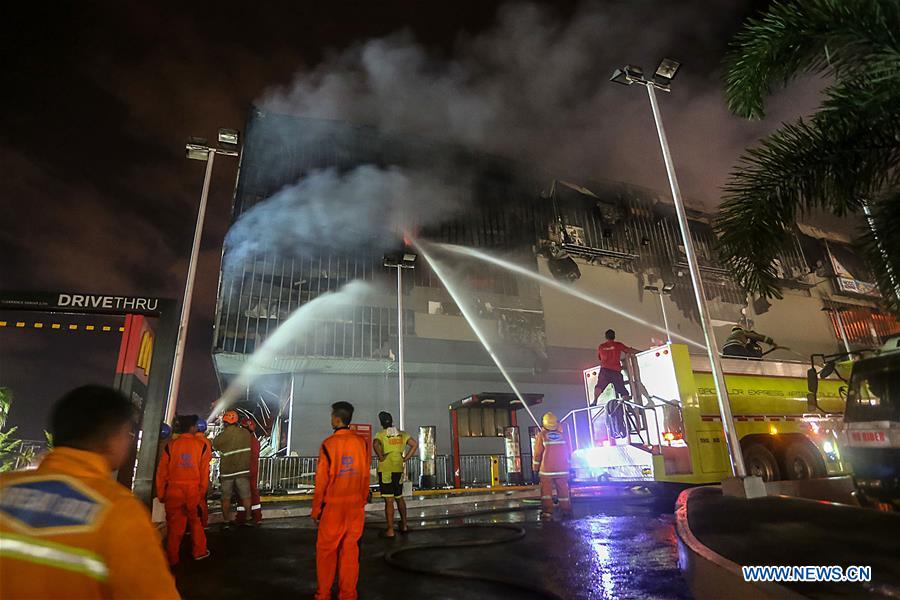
(551, 462)
(68, 529)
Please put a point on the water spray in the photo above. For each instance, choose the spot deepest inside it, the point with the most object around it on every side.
(286, 334)
(466, 312)
(511, 266)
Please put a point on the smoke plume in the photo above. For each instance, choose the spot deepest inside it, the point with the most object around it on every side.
(364, 210)
(535, 88)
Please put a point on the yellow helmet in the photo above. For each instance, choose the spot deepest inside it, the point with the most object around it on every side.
(550, 421)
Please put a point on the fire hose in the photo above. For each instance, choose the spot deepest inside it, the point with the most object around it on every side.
(518, 532)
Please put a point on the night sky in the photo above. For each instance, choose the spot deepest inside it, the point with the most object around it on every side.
(99, 98)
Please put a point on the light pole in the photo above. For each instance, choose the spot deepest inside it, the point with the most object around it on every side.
(196, 149)
(662, 78)
(666, 289)
(404, 260)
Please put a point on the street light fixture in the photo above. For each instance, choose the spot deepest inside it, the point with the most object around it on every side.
(402, 260)
(229, 137)
(196, 148)
(665, 72)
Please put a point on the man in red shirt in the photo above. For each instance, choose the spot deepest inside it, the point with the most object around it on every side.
(610, 355)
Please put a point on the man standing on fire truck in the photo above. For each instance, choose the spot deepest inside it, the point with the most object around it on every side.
(551, 462)
(610, 355)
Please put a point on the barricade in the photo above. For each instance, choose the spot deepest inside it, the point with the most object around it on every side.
(294, 474)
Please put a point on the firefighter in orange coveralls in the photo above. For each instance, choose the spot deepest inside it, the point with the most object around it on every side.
(342, 488)
(204, 502)
(68, 529)
(180, 481)
(551, 462)
(255, 502)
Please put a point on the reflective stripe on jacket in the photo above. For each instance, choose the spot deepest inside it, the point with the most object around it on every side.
(742, 337)
(233, 445)
(68, 530)
(551, 453)
(342, 477)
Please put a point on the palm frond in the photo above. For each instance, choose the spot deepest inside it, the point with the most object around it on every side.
(832, 37)
(831, 162)
(878, 244)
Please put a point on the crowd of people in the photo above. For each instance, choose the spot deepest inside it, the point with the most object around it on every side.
(68, 529)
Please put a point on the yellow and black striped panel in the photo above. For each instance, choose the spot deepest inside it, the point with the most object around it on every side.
(61, 326)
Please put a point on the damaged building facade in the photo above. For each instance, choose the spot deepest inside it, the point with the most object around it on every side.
(616, 242)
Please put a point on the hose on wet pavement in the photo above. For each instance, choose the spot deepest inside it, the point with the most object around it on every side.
(518, 532)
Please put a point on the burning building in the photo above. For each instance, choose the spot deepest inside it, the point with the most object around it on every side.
(292, 243)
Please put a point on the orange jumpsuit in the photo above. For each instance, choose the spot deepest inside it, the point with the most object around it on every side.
(551, 461)
(181, 477)
(204, 503)
(69, 530)
(342, 488)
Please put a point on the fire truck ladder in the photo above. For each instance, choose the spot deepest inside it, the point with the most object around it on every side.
(626, 418)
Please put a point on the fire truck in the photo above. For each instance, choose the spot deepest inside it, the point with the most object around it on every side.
(870, 436)
(669, 431)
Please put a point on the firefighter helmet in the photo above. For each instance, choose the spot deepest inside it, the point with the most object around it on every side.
(230, 417)
(201, 425)
(165, 431)
(550, 421)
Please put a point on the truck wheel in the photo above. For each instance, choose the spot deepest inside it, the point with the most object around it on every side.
(802, 462)
(761, 462)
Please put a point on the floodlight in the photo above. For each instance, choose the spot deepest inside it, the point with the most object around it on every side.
(229, 137)
(666, 70)
(197, 149)
(627, 75)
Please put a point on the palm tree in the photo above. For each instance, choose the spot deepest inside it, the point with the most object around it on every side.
(842, 159)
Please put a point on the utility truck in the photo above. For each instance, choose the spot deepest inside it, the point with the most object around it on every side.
(870, 437)
(669, 431)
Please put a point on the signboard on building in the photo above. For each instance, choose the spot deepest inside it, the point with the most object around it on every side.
(850, 274)
(80, 303)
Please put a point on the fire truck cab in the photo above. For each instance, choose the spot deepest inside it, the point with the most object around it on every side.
(669, 430)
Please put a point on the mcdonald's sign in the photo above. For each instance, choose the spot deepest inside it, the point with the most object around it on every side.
(136, 350)
(145, 352)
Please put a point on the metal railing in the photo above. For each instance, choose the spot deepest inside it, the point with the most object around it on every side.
(296, 474)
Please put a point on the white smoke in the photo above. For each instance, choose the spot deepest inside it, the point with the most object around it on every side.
(366, 209)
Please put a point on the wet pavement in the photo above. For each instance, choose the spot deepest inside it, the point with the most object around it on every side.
(612, 549)
(795, 531)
